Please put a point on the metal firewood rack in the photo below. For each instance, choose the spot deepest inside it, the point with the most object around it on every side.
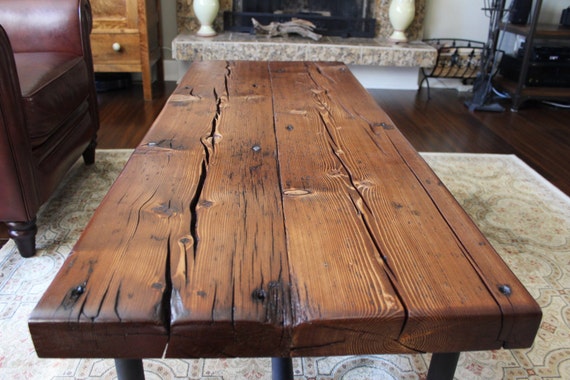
(456, 58)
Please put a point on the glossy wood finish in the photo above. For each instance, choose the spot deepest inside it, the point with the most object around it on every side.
(276, 210)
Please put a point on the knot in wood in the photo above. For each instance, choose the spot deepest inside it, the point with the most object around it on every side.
(337, 172)
(396, 205)
(165, 210)
(185, 240)
(296, 192)
(206, 203)
(364, 184)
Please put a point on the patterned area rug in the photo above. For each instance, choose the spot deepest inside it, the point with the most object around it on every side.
(525, 218)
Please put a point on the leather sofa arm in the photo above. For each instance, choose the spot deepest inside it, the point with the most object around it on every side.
(39, 25)
(15, 148)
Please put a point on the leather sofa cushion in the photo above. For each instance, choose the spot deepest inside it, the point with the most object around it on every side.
(53, 85)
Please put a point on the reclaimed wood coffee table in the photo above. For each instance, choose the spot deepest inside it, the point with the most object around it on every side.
(274, 210)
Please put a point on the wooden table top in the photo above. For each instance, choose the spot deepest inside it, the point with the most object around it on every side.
(274, 209)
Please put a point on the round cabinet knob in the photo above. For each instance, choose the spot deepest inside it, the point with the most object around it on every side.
(117, 46)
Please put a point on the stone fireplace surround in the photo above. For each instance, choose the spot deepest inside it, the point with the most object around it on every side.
(373, 52)
(187, 22)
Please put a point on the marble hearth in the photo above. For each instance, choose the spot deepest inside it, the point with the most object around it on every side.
(352, 51)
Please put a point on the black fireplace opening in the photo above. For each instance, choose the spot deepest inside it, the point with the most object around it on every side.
(344, 18)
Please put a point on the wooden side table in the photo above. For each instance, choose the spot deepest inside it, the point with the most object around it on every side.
(127, 37)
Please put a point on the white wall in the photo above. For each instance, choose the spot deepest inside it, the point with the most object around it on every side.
(466, 19)
(169, 31)
(551, 10)
(456, 19)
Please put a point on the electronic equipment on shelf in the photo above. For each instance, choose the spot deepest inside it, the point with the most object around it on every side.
(548, 67)
(547, 54)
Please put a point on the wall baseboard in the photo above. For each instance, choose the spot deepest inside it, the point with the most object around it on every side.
(171, 70)
(385, 77)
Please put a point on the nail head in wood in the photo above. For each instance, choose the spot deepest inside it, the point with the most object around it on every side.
(505, 289)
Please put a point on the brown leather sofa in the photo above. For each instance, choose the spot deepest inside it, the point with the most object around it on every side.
(48, 105)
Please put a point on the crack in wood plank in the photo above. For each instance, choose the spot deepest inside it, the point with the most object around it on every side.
(358, 199)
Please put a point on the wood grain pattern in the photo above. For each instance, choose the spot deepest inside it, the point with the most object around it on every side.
(114, 15)
(236, 280)
(274, 209)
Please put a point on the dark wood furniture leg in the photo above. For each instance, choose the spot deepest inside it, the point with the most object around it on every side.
(442, 366)
(281, 369)
(129, 369)
(89, 153)
(24, 235)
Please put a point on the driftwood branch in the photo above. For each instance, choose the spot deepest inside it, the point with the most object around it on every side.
(298, 26)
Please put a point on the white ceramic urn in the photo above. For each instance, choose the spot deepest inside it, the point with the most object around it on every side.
(401, 14)
(206, 12)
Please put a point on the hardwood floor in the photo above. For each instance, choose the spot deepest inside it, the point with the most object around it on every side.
(538, 134)
(125, 117)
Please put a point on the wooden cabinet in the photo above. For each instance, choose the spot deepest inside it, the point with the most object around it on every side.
(126, 37)
(519, 90)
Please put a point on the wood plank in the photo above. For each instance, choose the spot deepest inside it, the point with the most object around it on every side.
(521, 314)
(443, 295)
(337, 270)
(98, 290)
(123, 308)
(234, 299)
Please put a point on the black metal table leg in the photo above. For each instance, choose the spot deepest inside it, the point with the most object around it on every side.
(442, 366)
(282, 368)
(129, 369)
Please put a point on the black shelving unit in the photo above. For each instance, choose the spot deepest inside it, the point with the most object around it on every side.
(520, 90)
